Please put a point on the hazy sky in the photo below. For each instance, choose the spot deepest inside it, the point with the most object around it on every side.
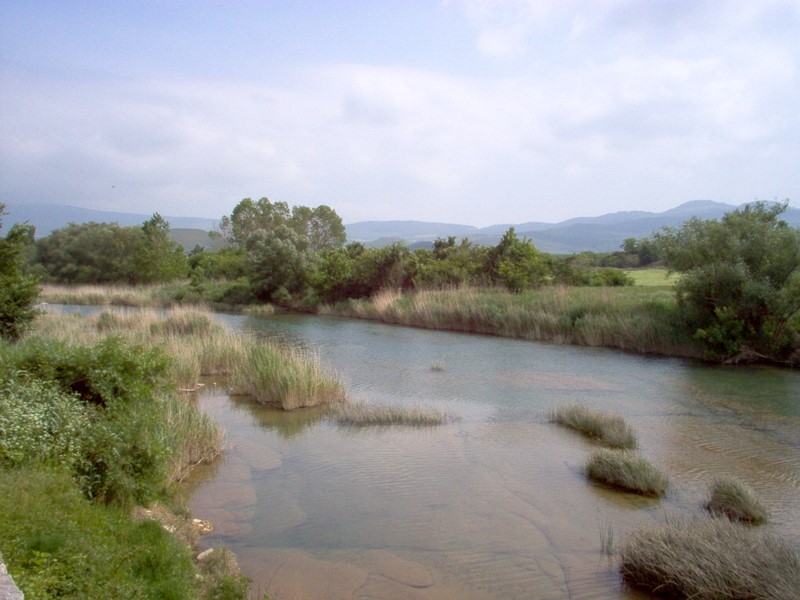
(467, 111)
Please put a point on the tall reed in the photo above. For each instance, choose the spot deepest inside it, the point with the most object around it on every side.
(637, 319)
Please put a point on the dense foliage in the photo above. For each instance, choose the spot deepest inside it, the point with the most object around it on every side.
(108, 253)
(18, 290)
(740, 285)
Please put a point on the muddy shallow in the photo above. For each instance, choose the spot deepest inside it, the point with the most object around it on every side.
(493, 505)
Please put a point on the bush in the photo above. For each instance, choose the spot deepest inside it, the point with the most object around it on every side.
(710, 559)
(625, 470)
(610, 430)
(102, 394)
(18, 291)
(736, 501)
(40, 423)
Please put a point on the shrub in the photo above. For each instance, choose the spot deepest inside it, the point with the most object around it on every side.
(625, 470)
(40, 423)
(735, 500)
(610, 430)
(710, 559)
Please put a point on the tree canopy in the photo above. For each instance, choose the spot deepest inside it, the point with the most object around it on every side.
(740, 289)
(18, 291)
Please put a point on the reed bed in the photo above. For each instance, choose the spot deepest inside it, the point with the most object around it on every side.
(627, 471)
(285, 376)
(738, 502)
(192, 436)
(636, 319)
(156, 295)
(711, 559)
(359, 414)
(608, 429)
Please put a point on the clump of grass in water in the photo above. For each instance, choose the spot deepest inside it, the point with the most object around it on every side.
(709, 559)
(438, 365)
(736, 501)
(362, 414)
(287, 377)
(625, 470)
(610, 430)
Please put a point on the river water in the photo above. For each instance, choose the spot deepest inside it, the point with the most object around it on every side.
(495, 503)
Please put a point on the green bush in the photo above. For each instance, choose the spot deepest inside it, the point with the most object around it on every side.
(104, 395)
(40, 423)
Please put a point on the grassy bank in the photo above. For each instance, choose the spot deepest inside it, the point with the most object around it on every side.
(638, 319)
(92, 426)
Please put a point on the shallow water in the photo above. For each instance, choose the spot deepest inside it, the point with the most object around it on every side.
(494, 504)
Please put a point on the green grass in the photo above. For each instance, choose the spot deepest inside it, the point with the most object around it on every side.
(610, 430)
(57, 544)
(652, 277)
(639, 319)
(710, 559)
(362, 414)
(736, 501)
(627, 471)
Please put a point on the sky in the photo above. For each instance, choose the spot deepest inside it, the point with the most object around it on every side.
(462, 111)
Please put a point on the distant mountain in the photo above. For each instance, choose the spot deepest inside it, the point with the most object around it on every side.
(47, 217)
(604, 233)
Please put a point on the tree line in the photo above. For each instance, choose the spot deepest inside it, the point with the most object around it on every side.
(739, 291)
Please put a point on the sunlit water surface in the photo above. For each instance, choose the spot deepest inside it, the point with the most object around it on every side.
(494, 504)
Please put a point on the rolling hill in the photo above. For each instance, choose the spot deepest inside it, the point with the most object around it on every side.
(604, 233)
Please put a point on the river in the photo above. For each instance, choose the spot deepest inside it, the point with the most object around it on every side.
(493, 504)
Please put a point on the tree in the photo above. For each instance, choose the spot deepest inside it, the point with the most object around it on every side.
(740, 289)
(90, 253)
(279, 263)
(516, 264)
(158, 257)
(18, 291)
(321, 225)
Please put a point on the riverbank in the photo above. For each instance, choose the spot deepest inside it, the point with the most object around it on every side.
(635, 319)
(95, 438)
(641, 319)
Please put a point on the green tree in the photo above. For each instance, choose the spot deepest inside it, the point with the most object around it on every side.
(516, 264)
(321, 225)
(158, 257)
(90, 253)
(18, 291)
(279, 263)
(740, 289)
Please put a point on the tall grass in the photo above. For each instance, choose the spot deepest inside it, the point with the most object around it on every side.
(627, 471)
(610, 430)
(285, 376)
(191, 436)
(711, 559)
(736, 501)
(362, 414)
(156, 295)
(635, 318)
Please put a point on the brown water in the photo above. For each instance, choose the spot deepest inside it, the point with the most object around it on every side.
(493, 505)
